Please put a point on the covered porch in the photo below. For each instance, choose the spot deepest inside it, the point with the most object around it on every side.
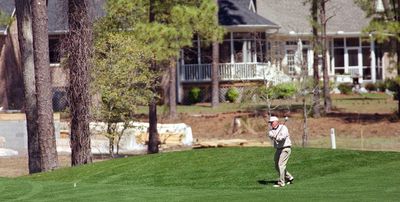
(191, 73)
(242, 57)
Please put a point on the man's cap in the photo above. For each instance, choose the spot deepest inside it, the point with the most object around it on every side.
(272, 119)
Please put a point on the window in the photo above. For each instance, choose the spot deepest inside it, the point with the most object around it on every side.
(225, 52)
(352, 42)
(338, 42)
(305, 58)
(339, 57)
(366, 56)
(54, 50)
(261, 50)
(290, 61)
(353, 57)
(238, 51)
(291, 43)
(206, 54)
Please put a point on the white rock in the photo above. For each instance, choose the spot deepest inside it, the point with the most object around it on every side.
(8, 152)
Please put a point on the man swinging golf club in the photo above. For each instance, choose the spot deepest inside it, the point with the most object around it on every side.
(279, 134)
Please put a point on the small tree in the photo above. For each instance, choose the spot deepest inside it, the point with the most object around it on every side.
(122, 81)
(165, 27)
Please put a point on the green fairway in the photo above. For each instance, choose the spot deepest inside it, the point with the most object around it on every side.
(225, 174)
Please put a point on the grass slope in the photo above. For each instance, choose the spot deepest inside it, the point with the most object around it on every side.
(225, 174)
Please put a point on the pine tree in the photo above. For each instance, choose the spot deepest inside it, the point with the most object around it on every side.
(24, 24)
(46, 137)
(165, 27)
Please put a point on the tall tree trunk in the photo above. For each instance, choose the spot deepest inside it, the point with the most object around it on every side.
(172, 88)
(316, 95)
(47, 140)
(153, 133)
(24, 23)
(79, 46)
(214, 75)
(327, 96)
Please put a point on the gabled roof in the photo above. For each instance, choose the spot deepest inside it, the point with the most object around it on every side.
(293, 16)
(57, 13)
(236, 13)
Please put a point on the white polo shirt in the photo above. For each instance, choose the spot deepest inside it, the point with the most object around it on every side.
(280, 136)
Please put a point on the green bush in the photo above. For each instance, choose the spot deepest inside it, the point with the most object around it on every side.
(283, 91)
(381, 86)
(232, 94)
(345, 88)
(370, 87)
(393, 85)
(280, 91)
(194, 95)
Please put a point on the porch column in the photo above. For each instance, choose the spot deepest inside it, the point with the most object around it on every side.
(360, 65)
(232, 47)
(254, 47)
(373, 60)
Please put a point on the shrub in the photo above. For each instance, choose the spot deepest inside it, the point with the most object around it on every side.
(381, 86)
(393, 85)
(370, 87)
(194, 95)
(345, 88)
(284, 90)
(263, 92)
(232, 94)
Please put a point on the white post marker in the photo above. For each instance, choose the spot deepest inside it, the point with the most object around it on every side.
(333, 139)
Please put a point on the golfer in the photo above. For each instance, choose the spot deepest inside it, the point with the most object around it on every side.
(279, 134)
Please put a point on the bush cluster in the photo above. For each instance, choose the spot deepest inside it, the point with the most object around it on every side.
(371, 86)
(381, 86)
(280, 91)
(194, 95)
(393, 85)
(232, 94)
(345, 88)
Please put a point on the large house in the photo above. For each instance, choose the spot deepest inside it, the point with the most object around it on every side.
(270, 40)
(266, 41)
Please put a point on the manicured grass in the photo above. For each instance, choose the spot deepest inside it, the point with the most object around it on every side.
(365, 103)
(354, 103)
(223, 174)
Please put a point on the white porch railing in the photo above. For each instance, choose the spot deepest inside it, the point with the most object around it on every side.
(233, 72)
(196, 72)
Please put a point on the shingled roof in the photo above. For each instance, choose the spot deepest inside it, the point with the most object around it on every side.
(57, 13)
(234, 13)
(293, 16)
